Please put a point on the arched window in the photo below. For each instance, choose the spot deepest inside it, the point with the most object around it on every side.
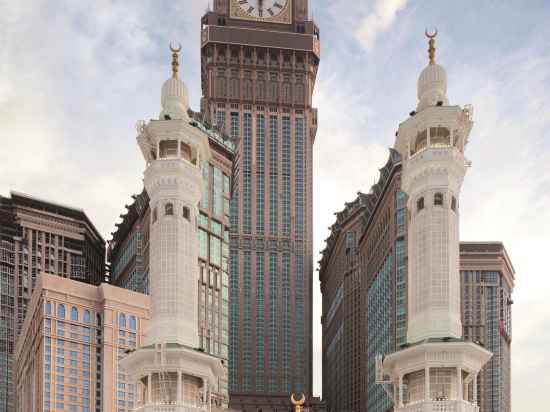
(98, 319)
(121, 320)
(438, 199)
(186, 214)
(61, 311)
(48, 308)
(169, 209)
(155, 215)
(74, 314)
(87, 317)
(132, 323)
(420, 204)
(453, 204)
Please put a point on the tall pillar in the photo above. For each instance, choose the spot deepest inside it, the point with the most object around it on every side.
(179, 391)
(426, 384)
(149, 389)
(401, 391)
(460, 395)
(474, 390)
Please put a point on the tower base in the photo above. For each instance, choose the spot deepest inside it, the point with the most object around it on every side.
(436, 375)
(173, 378)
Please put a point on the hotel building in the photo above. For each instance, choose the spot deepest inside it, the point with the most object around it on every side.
(67, 356)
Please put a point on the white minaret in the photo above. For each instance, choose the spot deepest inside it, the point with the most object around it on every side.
(437, 371)
(171, 373)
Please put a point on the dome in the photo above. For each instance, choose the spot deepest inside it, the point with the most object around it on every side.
(432, 86)
(174, 99)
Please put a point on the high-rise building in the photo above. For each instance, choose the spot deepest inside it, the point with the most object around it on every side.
(39, 236)
(70, 344)
(362, 274)
(171, 371)
(259, 65)
(487, 281)
(368, 245)
(438, 368)
(128, 251)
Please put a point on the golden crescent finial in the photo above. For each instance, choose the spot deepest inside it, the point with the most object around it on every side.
(175, 58)
(298, 404)
(431, 36)
(173, 49)
(431, 44)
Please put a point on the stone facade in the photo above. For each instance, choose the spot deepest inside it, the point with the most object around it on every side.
(67, 356)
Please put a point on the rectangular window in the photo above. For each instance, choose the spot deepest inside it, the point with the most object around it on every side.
(203, 244)
(217, 192)
(215, 250)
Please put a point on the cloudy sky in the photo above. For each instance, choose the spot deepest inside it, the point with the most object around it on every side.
(75, 76)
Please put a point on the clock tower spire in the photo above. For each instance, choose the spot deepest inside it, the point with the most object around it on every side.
(259, 65)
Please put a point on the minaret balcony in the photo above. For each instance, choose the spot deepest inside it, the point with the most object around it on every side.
(440, 406)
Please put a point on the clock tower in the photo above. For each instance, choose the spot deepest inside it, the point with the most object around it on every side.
(259, 64)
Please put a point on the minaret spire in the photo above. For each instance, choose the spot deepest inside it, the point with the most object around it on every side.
(175, 60)
(431, 45)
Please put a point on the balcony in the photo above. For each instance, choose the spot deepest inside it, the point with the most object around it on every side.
(440, 406)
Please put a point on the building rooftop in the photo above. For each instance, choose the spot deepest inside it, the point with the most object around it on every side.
(363, 203)
(25, 200)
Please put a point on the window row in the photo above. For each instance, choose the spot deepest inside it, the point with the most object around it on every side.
(74, 313)
(438, 201)
(169, 211)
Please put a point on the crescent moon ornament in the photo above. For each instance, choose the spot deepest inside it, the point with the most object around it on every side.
(173, 49)
(431, 36)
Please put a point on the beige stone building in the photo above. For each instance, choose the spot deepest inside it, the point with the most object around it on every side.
(67, 356)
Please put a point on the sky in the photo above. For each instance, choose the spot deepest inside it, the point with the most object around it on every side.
(76, 76)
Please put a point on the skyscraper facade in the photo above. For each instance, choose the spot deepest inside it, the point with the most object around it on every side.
(487, 281)
(363, 283)
(67, 356)
(39, 236)
(259, 65)
(128, 251)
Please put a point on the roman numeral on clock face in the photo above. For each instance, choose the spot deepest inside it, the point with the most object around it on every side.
(278, 5)
(243, 1)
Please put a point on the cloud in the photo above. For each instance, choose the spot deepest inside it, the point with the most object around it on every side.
(378, 21)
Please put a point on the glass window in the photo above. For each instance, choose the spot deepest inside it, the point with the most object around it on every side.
(132, 323)
(87, 316)
(438, 199)
(453, 204)
(203, 244)
(61, 311)
(74, 314)
(48, 308)
(420, 204)
(122, 320)
(186, 213)
(215, 250)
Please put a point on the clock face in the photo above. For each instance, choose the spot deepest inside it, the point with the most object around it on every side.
(262, 9)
